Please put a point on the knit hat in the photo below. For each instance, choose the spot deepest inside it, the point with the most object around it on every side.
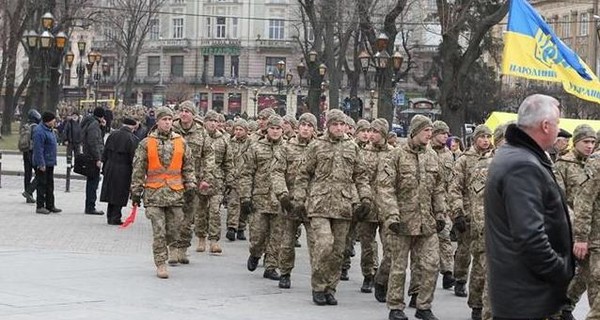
(189, 106)
(162, 112)
(48, 116)
(274, 121)
(211, 115)
(440, 127)
(350, 122)
(129, 121)
(481, 130)
(99, 112)
(309, 118)
(241, 123)
(220, 117)
(34, 116)
(266, 113)
(252, 125)
(362, 124)
(229, 122)
(499, 133)
(291, 120)
(418, 123)
(583, 131)
(381, 125)
(335, 115)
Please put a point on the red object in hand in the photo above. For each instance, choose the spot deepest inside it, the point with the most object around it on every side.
(131, 219)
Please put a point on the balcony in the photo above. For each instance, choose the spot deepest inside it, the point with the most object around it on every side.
(271, 44)
(220, 42)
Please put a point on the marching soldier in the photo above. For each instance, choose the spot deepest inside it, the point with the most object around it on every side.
(163, 171)
(262, 120)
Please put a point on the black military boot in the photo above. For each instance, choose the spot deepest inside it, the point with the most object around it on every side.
(285, 282)
(380, 292)
(448, 281)
(425, 315)
(319, 298)
(271, 274)
(330, 299)
(396, 314)
(413, 301)
(230, 235)
(344, 275)
(241, 235)
(460, 289)
(476, 314)
(252, 263)
(367, 286)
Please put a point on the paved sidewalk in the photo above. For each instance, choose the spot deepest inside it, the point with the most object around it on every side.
(74, 266)
(12, 164)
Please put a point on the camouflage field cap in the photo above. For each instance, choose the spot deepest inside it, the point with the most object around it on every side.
(162, 112)
(220, 117)
(362, 124)
(480, 130)
(336, 115)
(291, 120)
(583, 131)
(189, 106)
(274, 121)
(266, 113)
(308, 118)
(499, 133)
(350, 122)
(418, 123)
(381, 125)
(440, 127)
(241, 123)
(211, 115)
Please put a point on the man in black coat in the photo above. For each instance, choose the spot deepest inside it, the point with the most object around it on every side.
(72, 135)
(93, 145)
(118, 164)
(527, 226)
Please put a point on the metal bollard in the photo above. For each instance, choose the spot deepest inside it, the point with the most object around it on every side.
(68, 178)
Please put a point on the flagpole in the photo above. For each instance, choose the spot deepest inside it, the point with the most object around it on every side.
(595, 52)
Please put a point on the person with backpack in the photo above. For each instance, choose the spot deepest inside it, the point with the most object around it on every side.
(26, 147)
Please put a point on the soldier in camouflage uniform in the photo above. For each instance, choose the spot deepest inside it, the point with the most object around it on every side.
(351, 126)
(238, 145)
(290, 125)
(332, 176)
(208, 219)
(163, 170)
(204, 165)
(411, 188)
(285, 169)
(262, 119)
(221, 125)
(570, 173)
(257, 198)
(466, 205)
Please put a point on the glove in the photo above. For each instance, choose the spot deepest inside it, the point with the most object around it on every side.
(286, 203)
(439, 225)
(246, 207)
(136, 199)
(461, 224)
(362, 211)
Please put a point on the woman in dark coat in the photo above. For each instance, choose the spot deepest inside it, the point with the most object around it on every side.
(118, 165)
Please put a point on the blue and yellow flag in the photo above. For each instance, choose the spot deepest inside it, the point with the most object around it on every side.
(533, 51)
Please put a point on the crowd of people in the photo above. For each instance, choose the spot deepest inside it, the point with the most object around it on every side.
(507, 206)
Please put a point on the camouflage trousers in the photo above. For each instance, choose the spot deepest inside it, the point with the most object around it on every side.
(265, 238)
(287, 254)
(208, 217)
(234, 217)
(383, 272)
(187, 223)
(446, 254)
(486, 313)
(594, 284)
(425, 250)
(165, 230)
(578, 284)
(350, 242)
(330, 242)
(369, 255)
(462, 256)
(478, 273)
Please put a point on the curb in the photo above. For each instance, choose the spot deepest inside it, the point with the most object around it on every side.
(74, 176)
(18, 153)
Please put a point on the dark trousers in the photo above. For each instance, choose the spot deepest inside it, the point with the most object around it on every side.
(91, 187)
(45, 188)
(29, 185)
(113, 213)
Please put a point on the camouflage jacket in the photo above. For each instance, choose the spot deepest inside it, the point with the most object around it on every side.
(202, 152)
(375, 160)
(411, 190)
(257, 135)
(587, 207)
(255, 182)
(223, 163)
(466, 194)
(447, 162)
(165, 196)
(570, 172)
(238, 147)
(332, 177)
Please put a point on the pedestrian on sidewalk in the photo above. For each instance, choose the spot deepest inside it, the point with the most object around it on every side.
(72, 135)
(44, 160)
(93, 145)
(26, 146)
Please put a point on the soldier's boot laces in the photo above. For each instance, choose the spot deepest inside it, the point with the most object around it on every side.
(241, 235)
(413, 301)
(183, 258)
(330, 299)
(252, 263)
(271, 274)
(215, 248)
(476, 314)
(201, 245)
(344, 275)
(567, 315)
(448, 281)
(173, 256)
(380, 292)
(425, 315)
(460, 289)
(396, 314)
(285, 282)
(161, 271)
(367, 285)
(319, 298)
(230, 235)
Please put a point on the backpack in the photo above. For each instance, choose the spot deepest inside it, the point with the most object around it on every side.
(26, 137)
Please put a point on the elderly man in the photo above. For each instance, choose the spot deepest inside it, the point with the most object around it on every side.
(527, 225)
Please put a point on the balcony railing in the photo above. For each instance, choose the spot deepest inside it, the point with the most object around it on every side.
(169, 43)
(221, 42)
(277, 44)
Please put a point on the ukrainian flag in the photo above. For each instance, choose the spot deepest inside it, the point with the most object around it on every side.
(533, 51)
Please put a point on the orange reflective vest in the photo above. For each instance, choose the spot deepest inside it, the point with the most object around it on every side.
(158, 176)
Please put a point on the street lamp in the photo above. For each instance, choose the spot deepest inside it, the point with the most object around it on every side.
(322, 69)
(312, 56)
(301, 68)
(94, 59)
(69, 57)
(255, 93)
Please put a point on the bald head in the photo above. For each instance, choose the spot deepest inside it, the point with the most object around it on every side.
(539, 117)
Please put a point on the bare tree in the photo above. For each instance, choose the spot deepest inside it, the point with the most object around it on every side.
(179, 92)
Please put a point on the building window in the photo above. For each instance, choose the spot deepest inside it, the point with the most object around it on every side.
(271, 64)
(177, 66)
(276, 29)
(234, 28)
(208, 27)
(154, 29)
(221, 28)
(177, 28)
(219, 70)
(153, 66)
(584, 24)
(235, 65)
(566, 23)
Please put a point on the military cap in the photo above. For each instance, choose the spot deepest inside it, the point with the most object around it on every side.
(241, 123)
(336, 115)
(189, 106)
(350, 122)
(274, 121)
(220, 117)
(381, 125)
(253, 125)
(211, 115)
(418, 123)
(266, 113)
(162, 112)
(564, 134)
(440, 127)
(481, 130)
(291, 120)
(499, 133)
(308, 118)
(129, 121)
(583, 131)
(362, 124)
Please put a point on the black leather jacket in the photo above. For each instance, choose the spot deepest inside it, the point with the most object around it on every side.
(528, 232)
